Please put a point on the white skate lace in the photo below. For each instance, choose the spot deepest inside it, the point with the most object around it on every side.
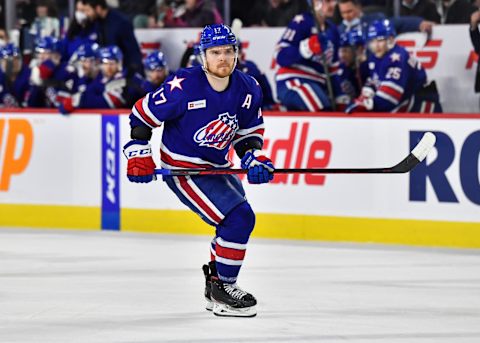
(234, 291)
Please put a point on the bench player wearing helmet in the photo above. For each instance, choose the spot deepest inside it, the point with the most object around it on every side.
(396, 81)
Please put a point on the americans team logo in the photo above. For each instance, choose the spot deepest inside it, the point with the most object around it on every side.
(218, 133)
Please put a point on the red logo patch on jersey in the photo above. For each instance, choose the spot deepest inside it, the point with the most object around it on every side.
(218, 133)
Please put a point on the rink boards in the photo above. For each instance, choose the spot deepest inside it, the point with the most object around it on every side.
(69, 172)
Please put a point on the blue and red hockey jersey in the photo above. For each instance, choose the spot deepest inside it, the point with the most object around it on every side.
(291, 62)
(395, 78)
(200, 124)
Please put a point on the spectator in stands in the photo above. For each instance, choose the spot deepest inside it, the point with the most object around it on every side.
(353, 16)
(281, 12)
(3, 36)
(133, 8)
(250, 12)
(46, 23)
(425, 9)
(475, 37)
(80, 32)
(457, 11)
(198, 13)
(113, 28)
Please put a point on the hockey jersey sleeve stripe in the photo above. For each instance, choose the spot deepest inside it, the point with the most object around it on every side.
(140, 113)
(387, 97)
(256, 134)
(146, 110)
(244, 132)
(198, 199)
(307, 95)
(391, 91)
(393, 85)
(114, 100)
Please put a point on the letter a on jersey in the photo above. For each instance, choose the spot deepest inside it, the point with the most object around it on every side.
(247, 102)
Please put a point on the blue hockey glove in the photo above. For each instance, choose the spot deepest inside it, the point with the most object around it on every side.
(260, 168)
(141, 167)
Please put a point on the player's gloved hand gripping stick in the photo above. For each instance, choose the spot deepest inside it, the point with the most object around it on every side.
(416, 156)
(259, 167)
(141, 167)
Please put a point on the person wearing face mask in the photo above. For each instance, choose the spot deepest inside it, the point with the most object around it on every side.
(353, 17)
(81, 32)
(396, 81)
(113, 28)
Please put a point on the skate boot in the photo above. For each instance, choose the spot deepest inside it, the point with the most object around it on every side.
(209, 270)
(229, 300)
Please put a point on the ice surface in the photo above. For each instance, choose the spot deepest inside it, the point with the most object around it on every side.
(70, 286)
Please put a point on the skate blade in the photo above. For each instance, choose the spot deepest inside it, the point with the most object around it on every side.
(223, 310)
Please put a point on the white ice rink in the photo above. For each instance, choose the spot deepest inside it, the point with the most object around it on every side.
(69, 286)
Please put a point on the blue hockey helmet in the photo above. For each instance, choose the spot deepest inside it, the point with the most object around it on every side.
(110, 53)
(217, 35)
(356, 37)
(155, 60)
(88, 50)
(380, 29)
(9, 51)
(50, 44)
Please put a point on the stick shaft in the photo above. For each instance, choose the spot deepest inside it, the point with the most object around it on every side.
(183, 172)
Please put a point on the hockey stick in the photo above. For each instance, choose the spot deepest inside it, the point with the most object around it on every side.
(416, 156)
(323, 58)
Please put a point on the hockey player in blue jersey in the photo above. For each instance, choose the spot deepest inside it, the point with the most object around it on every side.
(14, 76)
(396, 81)
(352, 58)
(204, 110)
(156, 71)
(49, 75)
(109, 89)
(85, 59)
(248, 67)
(302, 54)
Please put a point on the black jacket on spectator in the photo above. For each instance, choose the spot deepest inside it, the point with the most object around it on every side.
(284, 13)
(475, 37)
(424, 8)
(116, 29)
(459, 12)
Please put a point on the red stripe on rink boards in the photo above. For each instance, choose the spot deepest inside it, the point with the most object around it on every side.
(231, 254)
(294, 114)
(198, 201)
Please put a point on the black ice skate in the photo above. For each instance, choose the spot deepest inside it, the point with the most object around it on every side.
(209, 271)
(229, 300)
